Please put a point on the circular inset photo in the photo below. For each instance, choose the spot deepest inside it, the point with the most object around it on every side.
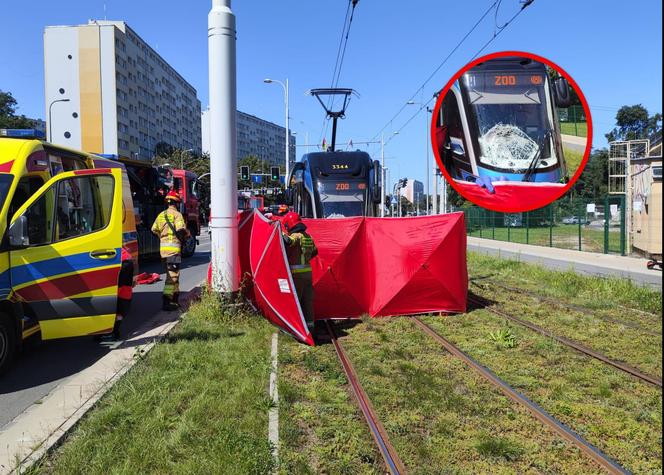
(511, 132)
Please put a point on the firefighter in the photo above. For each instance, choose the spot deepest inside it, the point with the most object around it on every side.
(172, 232)
(300, 249)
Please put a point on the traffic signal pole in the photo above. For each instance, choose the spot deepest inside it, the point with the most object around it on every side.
(223, 158)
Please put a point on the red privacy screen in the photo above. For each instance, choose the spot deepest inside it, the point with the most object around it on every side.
(376, 266)
(389, 266)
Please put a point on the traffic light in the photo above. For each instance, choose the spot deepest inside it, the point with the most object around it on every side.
(244, 173)
(274, 173)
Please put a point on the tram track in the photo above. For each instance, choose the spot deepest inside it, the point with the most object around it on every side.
(392, 461)
(537, 411)
(579, 308)
(481, 302)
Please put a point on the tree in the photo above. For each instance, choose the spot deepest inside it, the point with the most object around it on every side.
(634, 122)
(183, 159)
(8, 117)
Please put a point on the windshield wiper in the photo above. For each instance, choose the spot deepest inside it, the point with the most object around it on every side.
(530, 171)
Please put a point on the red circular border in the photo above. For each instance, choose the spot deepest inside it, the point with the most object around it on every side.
(502, 54)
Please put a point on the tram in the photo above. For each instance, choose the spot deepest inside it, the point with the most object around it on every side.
(499, 122)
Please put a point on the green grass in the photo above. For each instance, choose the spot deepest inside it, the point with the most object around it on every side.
(580, 129)
(569, 286)
(442, 417)
(612, 410)
(321, 428)
(619, 342)
(198, 403)
(573, 160)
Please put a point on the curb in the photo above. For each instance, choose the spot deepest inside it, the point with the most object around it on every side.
(44, 425)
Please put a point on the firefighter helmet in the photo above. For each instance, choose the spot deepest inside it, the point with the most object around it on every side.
(291, 220)
(173, 196)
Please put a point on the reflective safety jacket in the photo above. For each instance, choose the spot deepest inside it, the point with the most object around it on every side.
(300, 250)
(169, 242)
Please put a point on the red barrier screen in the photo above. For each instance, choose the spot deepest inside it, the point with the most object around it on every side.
(389, 266)
(376, 266)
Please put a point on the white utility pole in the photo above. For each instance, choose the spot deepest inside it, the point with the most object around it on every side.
(223, 154)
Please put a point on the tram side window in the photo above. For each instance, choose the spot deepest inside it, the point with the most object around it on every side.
(83, 206)
(452, 119)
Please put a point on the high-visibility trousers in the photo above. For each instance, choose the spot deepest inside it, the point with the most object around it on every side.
(172, 283)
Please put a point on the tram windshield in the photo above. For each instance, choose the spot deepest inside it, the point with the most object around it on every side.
(511, 116)
(342, 199)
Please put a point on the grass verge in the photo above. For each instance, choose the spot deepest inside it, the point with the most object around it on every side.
(321, 429)
(579, 129)
(441, 416)
(197, 403)
(612, 410)
(569, 286)
(573, 160)
(617, 341)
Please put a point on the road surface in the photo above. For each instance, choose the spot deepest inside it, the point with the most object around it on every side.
(44, 366)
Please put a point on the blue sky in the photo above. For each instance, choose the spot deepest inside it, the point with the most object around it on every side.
(612, 49)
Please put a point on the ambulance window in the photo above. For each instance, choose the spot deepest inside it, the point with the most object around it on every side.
(5, 183)
(40, 219)
(84, 205)
(27, 186)
(177, 184)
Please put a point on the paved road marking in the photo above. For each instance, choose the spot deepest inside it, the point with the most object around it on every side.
(273, 415)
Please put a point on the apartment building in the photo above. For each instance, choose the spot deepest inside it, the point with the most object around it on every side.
(256, 137)
(108, 91)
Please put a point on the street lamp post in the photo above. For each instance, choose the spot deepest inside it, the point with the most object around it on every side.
(285, 86)
(50, 119)
(382, 177)
(426, 144)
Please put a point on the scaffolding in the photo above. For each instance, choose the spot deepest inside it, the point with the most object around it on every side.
(621, 154)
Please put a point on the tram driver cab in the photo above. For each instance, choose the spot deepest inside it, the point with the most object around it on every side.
(498, 122)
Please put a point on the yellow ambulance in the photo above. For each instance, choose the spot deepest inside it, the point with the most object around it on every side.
(66, 227)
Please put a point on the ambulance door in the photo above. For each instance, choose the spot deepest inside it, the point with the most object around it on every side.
(65, 253)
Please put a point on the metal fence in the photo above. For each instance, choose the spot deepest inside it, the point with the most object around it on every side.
(573, 121)
(597, 226)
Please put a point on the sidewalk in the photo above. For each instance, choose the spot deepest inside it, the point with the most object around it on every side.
(44, 424)
(578, 144)
(564, 259)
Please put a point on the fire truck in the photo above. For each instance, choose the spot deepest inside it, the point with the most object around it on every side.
(149, 185)
(66, 227)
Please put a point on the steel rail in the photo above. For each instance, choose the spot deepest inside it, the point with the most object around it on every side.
(535, 409)
(392, 460)
(579, 308)
(483, 303)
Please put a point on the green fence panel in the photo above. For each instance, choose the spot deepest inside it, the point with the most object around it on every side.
(561, 224)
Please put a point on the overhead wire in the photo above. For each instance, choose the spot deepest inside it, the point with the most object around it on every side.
(435, 71)
(496, 33)
(341, 54)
